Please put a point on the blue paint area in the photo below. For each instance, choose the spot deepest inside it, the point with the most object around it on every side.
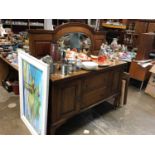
(33, 95)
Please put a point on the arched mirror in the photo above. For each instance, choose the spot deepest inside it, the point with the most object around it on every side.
(75, 40)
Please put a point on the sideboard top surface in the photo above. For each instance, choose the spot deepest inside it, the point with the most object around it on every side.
(81, 73)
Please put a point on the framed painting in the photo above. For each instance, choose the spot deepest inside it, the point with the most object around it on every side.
(34, 90)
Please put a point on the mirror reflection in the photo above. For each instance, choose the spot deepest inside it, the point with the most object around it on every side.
(75, 40)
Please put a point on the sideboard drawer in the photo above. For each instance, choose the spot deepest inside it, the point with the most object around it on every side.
(91, 97)
(95, 81)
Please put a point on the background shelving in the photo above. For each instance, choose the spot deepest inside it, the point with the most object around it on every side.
(18, 25)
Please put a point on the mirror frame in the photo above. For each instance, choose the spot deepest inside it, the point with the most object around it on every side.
(74, 28)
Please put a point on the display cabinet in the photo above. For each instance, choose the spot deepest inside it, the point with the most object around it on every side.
(135, 27)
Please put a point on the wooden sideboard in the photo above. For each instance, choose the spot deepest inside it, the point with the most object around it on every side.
(72, 94)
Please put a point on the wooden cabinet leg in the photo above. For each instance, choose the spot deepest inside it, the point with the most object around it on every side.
(116, 102)
(141, 86)
(52, 131)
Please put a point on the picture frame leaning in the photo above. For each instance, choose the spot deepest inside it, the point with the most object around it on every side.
(34, 91)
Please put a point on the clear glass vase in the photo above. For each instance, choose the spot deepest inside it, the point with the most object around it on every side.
(114, 43)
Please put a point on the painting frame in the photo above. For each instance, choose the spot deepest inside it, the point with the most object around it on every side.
(43, 69)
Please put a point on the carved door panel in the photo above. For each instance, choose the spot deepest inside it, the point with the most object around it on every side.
(68, 99)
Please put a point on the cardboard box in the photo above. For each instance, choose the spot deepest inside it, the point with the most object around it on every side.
(152, 70)
(150, 89)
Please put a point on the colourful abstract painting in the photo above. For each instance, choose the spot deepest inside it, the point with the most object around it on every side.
(32, 95)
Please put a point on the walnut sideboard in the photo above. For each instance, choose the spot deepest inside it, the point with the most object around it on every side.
(69, 95)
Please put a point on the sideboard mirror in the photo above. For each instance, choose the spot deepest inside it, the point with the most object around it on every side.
(40, 40)
(77, 40)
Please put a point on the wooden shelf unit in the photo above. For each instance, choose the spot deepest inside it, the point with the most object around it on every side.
(18, 25)
(138, 26)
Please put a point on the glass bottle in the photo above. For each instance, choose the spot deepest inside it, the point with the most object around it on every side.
(54, 52)
(114, 43)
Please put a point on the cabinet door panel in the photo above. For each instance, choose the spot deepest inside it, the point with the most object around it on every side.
(68, 99)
